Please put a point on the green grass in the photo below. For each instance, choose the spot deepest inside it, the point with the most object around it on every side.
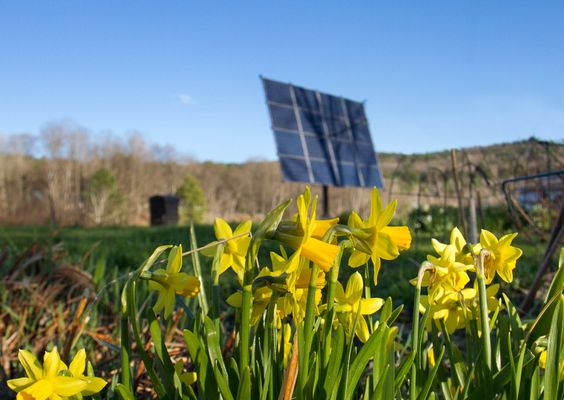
(125, 248)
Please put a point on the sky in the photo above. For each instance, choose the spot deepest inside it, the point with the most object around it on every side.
(435, 75)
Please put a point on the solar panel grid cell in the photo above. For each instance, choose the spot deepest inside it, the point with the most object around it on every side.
(321, 138)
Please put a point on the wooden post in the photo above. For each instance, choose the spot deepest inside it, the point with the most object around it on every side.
(326, 201)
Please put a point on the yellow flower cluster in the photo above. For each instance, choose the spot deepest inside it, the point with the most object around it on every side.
(287, 280)
(54, 380)
(446, 276)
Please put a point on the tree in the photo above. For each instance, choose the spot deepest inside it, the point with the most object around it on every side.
(192, 200)
(105, 197)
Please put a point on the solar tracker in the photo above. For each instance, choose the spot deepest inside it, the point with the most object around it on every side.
(321, 138)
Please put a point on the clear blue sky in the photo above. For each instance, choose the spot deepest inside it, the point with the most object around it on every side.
(435, 75)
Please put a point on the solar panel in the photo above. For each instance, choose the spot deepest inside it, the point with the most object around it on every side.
(321, 138)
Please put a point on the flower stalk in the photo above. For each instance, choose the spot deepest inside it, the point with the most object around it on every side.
(484, 319)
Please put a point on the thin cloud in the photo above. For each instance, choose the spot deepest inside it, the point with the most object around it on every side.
(185, 98)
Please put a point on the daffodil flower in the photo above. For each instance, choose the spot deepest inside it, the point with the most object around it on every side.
(294, 301)
(236, 246)
(349, 302)
(455, 307)
(501, 256)
(446, 275)
(373, 238)
(304, 232)
(187, 378)
(542, 364)
(170, 281)
(261, 299)
(457, 240)
(284, 336)
(53, 380)
(452, 307)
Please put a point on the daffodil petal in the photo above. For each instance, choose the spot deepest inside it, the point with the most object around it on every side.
(222, 229)
(31, 365)
(243, 227)
(51, 362)
(355, 221)
(40, 390)
(362, 329)
(355, 285)
(370, 306)
(66, 386)
(385, 247)
(358, 259)
(78, 363)
(93, 385)
(386, 216)
(488, 239)
(19, 384)
(174, 260)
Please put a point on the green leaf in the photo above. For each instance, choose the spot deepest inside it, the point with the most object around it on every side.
(552, 372)
(222, 383)
(164, 364)
(337, 349)
(403, 370)
(205, 381)
(214, 349)
(244, 392)
(431, 377)
(124, 392)
(375, 344)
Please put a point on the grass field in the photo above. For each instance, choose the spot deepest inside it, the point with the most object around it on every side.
(124, 248)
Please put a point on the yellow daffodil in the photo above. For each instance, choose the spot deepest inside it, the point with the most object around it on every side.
(349, 302)
(187, 378)
(284, 336)
(294, 301)
(460, 246)
(452, 307)
(236, 246)
(304, 232)
(374, 239)
(455, 307)
(261, 299)
(170, 281)
(284, 272)
(53, 380)
(501, 256)
(542, 364)
(446, 274)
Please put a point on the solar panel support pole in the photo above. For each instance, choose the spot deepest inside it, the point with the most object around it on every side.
(326, 201)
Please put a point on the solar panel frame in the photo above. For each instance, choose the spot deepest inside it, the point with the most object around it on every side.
(317, 141)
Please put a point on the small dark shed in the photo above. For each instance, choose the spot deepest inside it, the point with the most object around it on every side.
(164, 210)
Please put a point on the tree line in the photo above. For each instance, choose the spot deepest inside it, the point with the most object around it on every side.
(65, 175)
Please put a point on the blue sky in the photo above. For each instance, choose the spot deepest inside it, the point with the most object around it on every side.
(435, 75)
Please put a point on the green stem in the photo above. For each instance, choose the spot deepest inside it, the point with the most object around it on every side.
(484, 319)
(331, 289)
(415, 331)
(308, 325)
(246, 307)
(132, 310)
